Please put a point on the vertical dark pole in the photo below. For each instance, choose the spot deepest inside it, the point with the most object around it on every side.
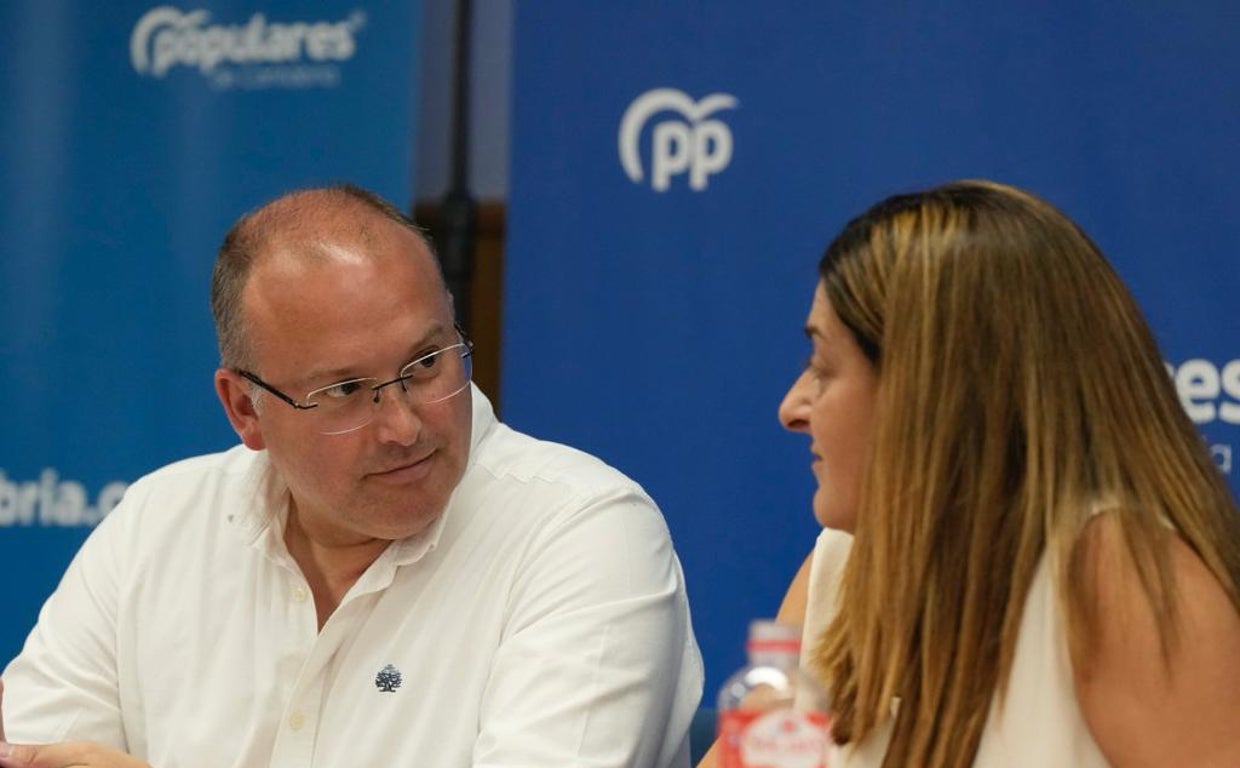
(459, 211)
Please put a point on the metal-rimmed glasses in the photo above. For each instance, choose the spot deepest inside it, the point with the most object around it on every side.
(349, 405)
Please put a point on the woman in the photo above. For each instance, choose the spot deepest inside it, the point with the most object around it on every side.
(1044, 563)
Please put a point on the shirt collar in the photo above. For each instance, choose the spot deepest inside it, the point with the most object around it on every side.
(261, 523)
(415, 547)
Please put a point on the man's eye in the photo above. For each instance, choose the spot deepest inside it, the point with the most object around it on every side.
(341, 391)
(423, 365)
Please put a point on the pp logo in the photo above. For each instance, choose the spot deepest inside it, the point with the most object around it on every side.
(689, 143)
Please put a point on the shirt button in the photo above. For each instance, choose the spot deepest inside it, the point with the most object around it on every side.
(296, 721)
(300, 594)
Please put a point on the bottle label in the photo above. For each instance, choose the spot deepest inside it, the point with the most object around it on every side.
(781, 738)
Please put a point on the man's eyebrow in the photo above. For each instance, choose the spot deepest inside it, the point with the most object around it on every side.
(328, 375)
(436, 329)
(343, 373)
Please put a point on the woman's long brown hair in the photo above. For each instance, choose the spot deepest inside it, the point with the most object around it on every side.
(1019, 388)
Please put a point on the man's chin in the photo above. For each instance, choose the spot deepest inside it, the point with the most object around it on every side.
(403, 524)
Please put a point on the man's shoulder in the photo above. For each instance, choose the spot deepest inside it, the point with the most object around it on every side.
(512, 456)
(186, 487)
(179, 508)
(238, 461)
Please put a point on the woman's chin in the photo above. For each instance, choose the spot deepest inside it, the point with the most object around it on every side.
(831, 516)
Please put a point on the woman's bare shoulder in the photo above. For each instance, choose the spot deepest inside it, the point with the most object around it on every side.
(1145, 707)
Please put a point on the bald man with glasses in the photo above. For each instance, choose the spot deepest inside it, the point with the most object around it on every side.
(382, 573)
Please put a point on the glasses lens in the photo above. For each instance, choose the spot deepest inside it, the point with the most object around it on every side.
(437, 376)
(431, 378)
(345, 406)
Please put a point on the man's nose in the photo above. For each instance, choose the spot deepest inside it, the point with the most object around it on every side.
(396, 419)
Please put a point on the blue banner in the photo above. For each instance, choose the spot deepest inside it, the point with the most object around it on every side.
(133, 133)
(677, 172)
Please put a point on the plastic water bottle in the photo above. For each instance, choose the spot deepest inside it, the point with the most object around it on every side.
(771, 714)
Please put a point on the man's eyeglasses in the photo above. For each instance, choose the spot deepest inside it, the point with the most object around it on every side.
(350, 405)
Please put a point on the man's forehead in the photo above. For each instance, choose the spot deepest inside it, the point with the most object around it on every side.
(343, 239)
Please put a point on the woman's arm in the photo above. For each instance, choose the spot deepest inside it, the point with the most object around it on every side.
(791, 611)
(792, 608)
(1142, 709)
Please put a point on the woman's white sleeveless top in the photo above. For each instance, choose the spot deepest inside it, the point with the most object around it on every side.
(1036, 725)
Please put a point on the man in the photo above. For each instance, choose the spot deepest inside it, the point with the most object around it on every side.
(383, 574)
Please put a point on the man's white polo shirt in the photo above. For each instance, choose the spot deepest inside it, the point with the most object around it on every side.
(541, 621)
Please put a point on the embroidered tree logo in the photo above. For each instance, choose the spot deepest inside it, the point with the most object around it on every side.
(388, 679)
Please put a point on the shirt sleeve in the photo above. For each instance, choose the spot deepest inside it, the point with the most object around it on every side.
(598, 665)
(826, 570)
(63, 685)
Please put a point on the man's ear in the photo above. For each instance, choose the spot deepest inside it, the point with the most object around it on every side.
(234, 393)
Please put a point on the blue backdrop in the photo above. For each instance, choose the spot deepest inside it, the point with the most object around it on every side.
(677, 172)
(133, 133)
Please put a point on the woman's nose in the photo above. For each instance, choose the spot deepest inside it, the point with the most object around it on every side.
(794, 409)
